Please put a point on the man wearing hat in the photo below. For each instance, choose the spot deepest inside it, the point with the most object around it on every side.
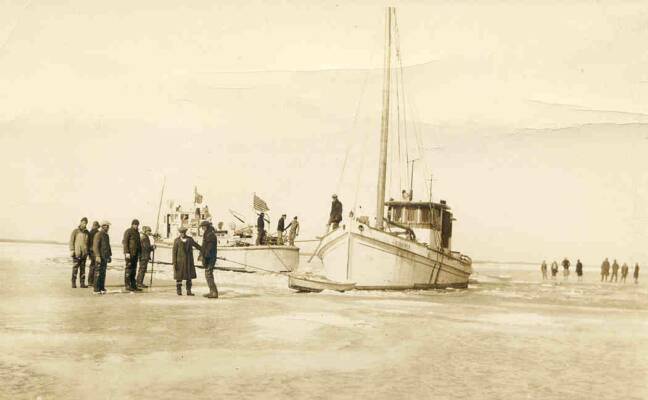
(293, 231)
(336, 213)
(132, 250)
(145, 256)
(102, 253)
(280, 229)
(260, 229)
(183, 261)
(79, 251)
(93, 264)
(208, 254)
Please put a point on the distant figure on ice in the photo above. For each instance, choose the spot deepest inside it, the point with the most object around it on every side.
(132, 250)
(543, 268)
(145, 256)
(579, 270)
(293, 231)
(336, 213)
(605, 270)
(615, 271)
(184, 268)
(93, 263)
(554, 270)
(635, 274)
(566, 264)
(79, 252)
(103, 256)
(208, 254)
(624, 272)
(280, 229)
(260, 229)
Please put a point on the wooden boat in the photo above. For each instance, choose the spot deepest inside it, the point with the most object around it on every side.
(316, 283)
(236, 244)
(386, 253)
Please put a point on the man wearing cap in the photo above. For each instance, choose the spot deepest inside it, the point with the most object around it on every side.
(132, 250)
(260, 229)
(208, 254)
(93, 264)
(280, 229)
(103, 255)
(293, 231)
(145, 256)
(183, 261)
(79, 252)
(336, 213)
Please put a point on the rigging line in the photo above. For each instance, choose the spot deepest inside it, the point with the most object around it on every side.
(402, 86)
(355, 118)
(398, 121)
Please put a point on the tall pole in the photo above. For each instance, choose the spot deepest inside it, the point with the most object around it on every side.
(384, 127)
(157, 221)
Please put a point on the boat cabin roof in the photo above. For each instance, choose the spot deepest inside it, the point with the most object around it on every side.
(417, 205)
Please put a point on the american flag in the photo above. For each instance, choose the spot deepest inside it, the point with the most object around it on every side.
(259, 204)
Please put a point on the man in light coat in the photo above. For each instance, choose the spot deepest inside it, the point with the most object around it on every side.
(79, 252)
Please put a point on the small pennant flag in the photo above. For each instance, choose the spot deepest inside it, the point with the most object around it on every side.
(259, 204)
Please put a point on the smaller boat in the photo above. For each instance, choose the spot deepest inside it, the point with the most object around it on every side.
(315, 283)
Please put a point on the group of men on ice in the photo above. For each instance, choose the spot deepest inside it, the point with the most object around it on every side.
(605, 270)
(95, 244)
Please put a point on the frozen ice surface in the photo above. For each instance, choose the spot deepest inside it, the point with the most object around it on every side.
(514, 339)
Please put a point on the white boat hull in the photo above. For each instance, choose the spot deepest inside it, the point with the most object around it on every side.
(248, 258)
(377, 260)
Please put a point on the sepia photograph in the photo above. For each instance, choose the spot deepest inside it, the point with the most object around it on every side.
(324, 200)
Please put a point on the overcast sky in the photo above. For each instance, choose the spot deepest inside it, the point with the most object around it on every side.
(533, 115)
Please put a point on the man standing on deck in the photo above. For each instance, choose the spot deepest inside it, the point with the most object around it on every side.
(280, 229)
(103, 256)
(605, 270)
(260, 229)
(208, 253)
(579, 270)
(132, 250)
(145, 256)
(293, 231)
(615, 271)
(543, 268)
(336, 213)
(566, 264)
(635, 274)
(79, 252)
(93, 264)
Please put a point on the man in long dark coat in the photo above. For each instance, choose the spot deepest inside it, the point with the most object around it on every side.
(79, 252)
(103, 255)
(132, 250)
(145, 256)
(260, 229)
(183, 261)
(336, 213)
(208, 254)
(93, 264)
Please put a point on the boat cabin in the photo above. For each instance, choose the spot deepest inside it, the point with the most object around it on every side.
(176, 217)
(425, 215)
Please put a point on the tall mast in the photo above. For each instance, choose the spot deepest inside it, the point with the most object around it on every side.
(157, 223)
(384, 127)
